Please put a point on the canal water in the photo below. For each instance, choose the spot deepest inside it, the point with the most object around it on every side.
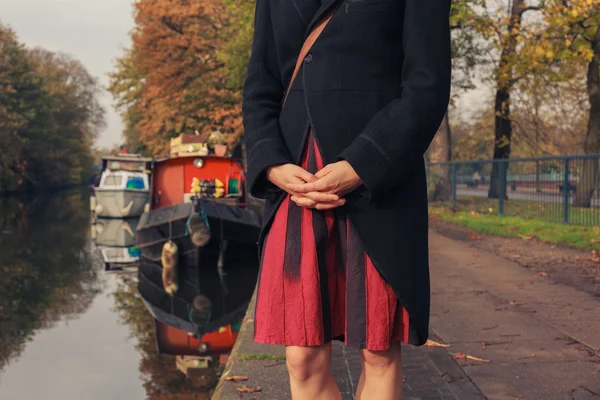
(70, 329)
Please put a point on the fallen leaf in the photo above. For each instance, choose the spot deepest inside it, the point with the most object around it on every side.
(592, 259)
(594, 240)
(468, 357)
(431, 343)
(236, 378)
(247, 389)
(474, 237)
(527, 237)
(543, 273)
(529, 356)
(512, 229)
(517, 303)
(516, 396)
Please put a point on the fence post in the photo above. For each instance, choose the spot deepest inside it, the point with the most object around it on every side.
(566, 190)
(501, 186)
(453, 187)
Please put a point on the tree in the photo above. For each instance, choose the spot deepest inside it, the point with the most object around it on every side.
(512, 64)
(466, 55)
(70, 119)
(175, 73)
(20, 90)
(127, 86)
(49, 117)
(574, 31)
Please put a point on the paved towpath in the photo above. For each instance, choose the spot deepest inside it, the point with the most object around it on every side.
(532, 339)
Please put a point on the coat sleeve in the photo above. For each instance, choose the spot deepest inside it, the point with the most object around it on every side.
(262, 100)
(383, 154)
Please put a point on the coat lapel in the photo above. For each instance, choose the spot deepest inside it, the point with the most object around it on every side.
(321, 12)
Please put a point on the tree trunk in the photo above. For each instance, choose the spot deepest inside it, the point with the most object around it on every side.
(504, 78)
(588, 177)
(441, 152)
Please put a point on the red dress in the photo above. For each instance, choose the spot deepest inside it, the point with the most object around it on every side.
(317, 283)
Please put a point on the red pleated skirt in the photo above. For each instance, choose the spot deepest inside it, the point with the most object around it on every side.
(317, 284)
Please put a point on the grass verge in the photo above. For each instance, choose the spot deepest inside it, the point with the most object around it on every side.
(539, 210)
(584, 237)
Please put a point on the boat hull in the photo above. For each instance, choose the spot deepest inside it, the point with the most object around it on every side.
(120, 203)
(234, 233)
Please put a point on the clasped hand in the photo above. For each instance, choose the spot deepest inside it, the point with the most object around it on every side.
(323, 190)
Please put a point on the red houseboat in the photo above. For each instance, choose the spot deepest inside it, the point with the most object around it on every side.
(199, 205)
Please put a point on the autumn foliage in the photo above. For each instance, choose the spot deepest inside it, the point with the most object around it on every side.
(174, 78)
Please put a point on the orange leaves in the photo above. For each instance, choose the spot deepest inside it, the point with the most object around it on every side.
(236, 378)
(458, 356)
(431, 343)
(243, 388)
(247, 389)
(180, 84)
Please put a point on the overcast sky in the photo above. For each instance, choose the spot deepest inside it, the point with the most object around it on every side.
(93, 31)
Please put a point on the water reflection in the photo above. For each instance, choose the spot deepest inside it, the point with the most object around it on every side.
(115, 239)
(161, 378)
(47, 274)
(81, 330)
(172, 340)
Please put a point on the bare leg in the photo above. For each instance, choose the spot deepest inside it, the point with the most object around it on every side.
(381, 377)
(310, 373)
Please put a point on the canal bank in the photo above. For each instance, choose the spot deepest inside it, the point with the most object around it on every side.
(430, 373)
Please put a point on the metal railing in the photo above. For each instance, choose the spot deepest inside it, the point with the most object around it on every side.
(558, 189)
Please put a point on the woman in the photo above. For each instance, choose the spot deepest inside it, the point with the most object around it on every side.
(338, 159)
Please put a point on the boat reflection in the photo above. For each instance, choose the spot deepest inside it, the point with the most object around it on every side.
(182, 355)
(115, 238)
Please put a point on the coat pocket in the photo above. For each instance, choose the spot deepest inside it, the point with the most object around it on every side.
(359, 6)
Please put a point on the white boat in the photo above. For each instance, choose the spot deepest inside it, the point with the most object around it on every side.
(124, 187)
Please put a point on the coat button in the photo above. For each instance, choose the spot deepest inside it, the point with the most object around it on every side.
(308, 58)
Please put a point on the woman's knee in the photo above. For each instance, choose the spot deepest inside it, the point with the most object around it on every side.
(381, 360)
(306, 362)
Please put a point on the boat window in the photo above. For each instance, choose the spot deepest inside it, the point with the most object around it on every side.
(113, 180)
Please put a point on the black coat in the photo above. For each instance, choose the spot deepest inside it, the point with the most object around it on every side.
(374, 89)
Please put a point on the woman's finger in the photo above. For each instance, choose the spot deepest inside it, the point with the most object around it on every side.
(321, 185)
(330, 205)
(325, 171)
(304, 202)
(321, 197)
(303, 174)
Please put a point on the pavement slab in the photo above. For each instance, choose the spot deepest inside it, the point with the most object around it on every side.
(541, 337)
